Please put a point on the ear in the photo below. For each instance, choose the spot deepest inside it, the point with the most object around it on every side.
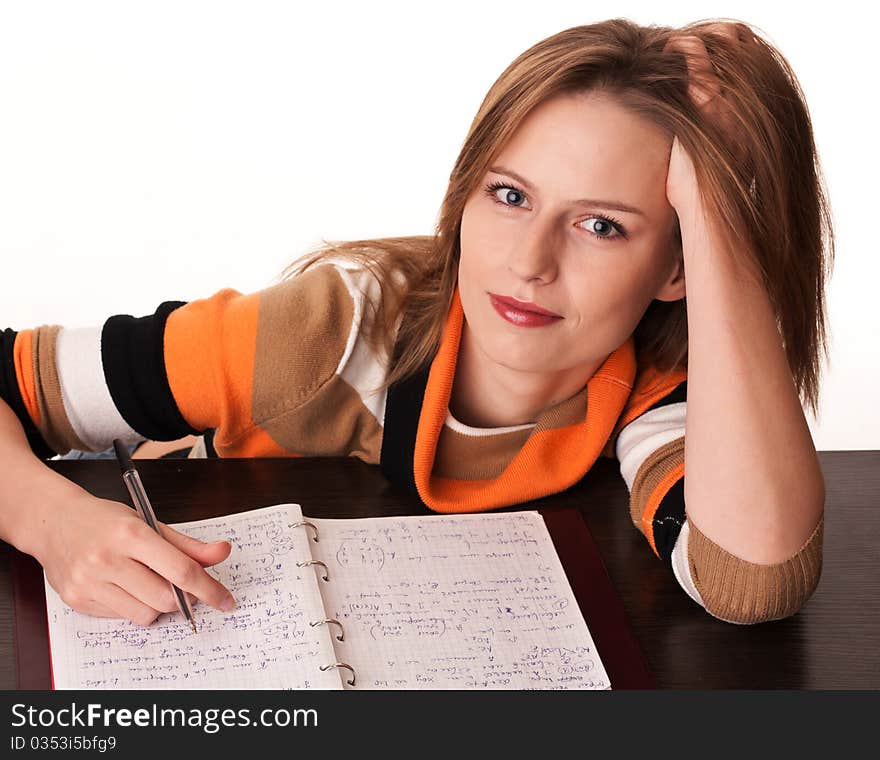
(673, 287)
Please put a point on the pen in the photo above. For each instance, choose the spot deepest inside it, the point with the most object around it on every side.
(142, 504)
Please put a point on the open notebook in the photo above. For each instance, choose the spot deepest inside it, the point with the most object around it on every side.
(437, 602)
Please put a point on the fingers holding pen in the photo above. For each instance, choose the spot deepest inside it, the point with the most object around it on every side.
(206, 554)
(145, 585)
(94, 544)
(105, 599)
(126, 605)
(136, 593)
(179, 559)
(89, 604)
(169, 552)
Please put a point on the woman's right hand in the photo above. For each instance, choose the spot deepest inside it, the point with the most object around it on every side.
(103, 560)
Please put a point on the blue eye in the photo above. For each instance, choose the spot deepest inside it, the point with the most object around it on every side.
(602, 226)
(496, 186)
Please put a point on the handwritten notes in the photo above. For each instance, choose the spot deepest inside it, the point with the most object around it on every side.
(266, 642)
(455, 602)
(438, 602)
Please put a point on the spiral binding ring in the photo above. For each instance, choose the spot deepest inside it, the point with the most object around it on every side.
(311, 525)
(341, 636)
(341, 665)
(326, 577)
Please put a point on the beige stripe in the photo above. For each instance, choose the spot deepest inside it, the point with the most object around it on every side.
(572, 411)
(54, 425)
(302, 328)
(468, 457)
(333, 422)
(739, 591)
(655, 467)
(485, 457)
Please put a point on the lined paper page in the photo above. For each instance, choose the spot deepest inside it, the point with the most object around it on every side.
(264, 643)
(455, 602)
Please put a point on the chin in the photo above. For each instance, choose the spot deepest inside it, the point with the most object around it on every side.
(522, 359)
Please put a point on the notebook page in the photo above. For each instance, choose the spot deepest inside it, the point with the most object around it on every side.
(266, 642)
(455, 602)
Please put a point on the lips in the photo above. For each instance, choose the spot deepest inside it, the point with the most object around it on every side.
(524, 306)
(521, 313)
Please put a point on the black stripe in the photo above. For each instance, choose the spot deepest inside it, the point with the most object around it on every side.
(403, 407)
(11, 394)
(132, 352)
(668, 520)
(210, 451)
(677, 396)
(669, 517)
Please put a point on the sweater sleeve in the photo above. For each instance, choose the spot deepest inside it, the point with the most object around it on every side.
(228, 362)
(650, 450)
(277, 374)
(79, 388)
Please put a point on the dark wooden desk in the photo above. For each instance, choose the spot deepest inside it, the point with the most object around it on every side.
(833, 643)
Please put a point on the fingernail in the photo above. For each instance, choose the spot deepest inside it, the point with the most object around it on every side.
(227, 604)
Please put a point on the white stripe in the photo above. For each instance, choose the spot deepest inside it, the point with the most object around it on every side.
(90, 409)
(681, 567)
(460, 427)
(645, 434)
(362, 369)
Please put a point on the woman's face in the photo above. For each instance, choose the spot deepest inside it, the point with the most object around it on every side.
(592, 262)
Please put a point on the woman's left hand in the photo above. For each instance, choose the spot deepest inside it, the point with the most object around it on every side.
(707, 92)
(682, 190)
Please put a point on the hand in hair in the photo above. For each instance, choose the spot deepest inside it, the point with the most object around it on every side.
(704, 87)
(682, 190)
(708, 93)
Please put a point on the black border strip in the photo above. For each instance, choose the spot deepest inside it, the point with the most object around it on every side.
(11, 394)
(133, 356)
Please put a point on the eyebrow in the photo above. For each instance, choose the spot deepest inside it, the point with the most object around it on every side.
(616, 205)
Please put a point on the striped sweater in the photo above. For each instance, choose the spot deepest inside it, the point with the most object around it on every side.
(287, 371)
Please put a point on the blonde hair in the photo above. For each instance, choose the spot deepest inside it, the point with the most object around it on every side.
(773, 207)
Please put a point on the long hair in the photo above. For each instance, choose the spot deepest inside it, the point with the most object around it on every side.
(773, 208)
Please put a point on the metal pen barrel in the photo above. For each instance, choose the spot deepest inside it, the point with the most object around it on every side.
(141, 502)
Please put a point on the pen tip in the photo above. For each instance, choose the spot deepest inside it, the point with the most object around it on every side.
(193, 624)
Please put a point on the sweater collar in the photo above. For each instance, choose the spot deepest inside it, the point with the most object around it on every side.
(550, 461)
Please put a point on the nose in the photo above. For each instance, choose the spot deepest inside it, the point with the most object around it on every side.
(533, 256)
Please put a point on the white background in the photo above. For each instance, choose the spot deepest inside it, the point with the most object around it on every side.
(164, 150)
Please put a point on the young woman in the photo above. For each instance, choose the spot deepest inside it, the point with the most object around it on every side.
(611, 171)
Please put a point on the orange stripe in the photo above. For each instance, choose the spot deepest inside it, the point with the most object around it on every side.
(209, 358)
(649, 389)
(668, 480)
(255, 443)
(550, 461)
(23, 358)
